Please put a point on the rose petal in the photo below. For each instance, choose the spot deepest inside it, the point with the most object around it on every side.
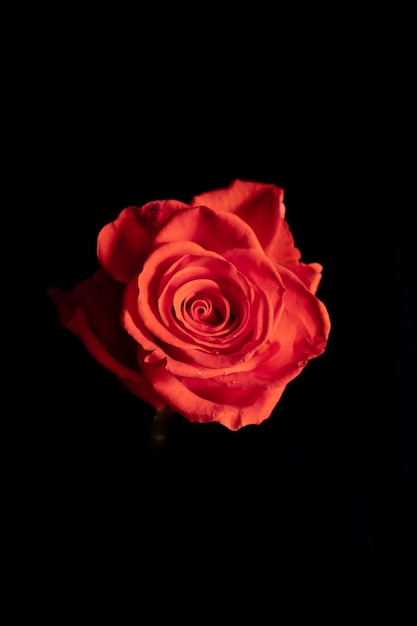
(250, 408)
(218, 232)
(122, 245)
(261, 206)
(91, 312)
(265, 275)
(301, 335)
(309, 274)
(100, 297)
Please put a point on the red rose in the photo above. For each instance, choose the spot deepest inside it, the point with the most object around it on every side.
(203, 307)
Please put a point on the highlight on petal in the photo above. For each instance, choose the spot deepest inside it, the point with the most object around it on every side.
(122, 245)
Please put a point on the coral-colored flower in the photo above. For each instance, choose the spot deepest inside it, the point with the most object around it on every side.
(203, 307)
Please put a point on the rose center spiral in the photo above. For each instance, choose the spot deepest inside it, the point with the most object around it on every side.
(201, 309)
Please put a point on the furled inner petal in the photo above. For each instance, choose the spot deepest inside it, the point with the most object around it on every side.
(205, 311)
(199, 312)
(200, 331)
(164, 300)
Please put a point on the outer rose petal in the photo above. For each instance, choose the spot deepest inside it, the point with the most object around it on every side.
(91, 312)
(309, 274)
(247, 410)
(216, 231)
(261, 206)
(301, 335)
(122, 245)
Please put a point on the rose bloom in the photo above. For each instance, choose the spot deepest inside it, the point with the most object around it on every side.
(203, 307)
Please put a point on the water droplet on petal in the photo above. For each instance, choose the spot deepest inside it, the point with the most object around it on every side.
(214, 415)
(199, 373)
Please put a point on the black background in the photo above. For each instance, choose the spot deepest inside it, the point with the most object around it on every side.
(332, 471)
